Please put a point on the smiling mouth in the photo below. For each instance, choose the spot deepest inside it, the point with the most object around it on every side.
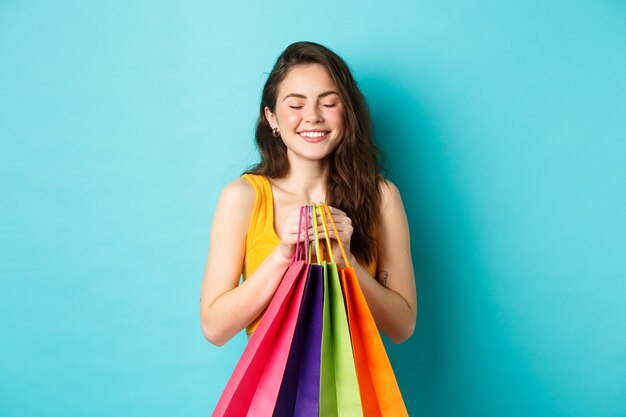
(314, 137)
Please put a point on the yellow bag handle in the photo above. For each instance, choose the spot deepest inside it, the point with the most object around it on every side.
(325, 211)
(320, 208)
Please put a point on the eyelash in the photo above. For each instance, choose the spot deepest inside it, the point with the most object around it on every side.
(325, 105)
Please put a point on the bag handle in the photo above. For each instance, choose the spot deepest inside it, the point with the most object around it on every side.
(309, 212)
(320, 208)
(326, 211)
(307, 247)
(298, 254)
(316, 234)
(304, 250)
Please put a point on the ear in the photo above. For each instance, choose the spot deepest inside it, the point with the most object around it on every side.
(270, 118)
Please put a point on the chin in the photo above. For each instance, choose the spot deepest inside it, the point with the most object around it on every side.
(315, 157)
(312, 154)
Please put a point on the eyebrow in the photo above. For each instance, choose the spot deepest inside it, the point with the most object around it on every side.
(324, 94)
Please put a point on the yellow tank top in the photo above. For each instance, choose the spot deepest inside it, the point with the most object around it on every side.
(262, 238)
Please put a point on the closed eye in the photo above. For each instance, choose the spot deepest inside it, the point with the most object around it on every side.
(296, 107)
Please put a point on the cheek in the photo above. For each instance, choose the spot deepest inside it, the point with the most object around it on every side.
(336, 115)
(289, 118)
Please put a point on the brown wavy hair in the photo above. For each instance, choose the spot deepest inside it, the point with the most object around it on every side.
(354, 173)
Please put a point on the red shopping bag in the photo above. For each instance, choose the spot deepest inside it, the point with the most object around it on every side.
(253, 387)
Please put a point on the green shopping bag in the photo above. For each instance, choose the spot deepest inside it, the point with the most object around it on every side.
(339, 389)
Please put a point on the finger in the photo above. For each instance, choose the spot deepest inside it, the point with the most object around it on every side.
(331, 235)
(337, 220)
(334, 210)
(342, 226)
(331, 232)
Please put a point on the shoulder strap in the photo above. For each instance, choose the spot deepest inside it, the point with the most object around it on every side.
(262, 220)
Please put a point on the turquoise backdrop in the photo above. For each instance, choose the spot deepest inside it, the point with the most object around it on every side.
(503, 124)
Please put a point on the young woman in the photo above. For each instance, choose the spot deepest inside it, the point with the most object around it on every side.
(314, 135)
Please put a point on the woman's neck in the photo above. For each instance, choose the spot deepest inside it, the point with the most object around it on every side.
(307, 179)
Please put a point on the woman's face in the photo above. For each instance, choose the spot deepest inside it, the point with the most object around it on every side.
(308, 113)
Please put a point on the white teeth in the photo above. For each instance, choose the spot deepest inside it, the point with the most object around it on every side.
(312, 134)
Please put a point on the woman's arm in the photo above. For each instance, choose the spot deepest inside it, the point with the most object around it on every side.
(391, 297)
(225, 306)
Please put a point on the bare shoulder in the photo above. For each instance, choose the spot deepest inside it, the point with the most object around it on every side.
(236, 200)
(238, 192)
(389, 193)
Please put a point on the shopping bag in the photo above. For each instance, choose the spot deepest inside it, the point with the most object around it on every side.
(380, 394)
(339, 393)
(253, 386)
(299, 391)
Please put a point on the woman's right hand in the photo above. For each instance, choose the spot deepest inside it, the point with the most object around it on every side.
(222, 295)
(289, 234)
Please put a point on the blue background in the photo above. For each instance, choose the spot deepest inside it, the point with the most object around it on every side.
(504, 128)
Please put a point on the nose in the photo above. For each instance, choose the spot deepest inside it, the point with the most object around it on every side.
(313, 114)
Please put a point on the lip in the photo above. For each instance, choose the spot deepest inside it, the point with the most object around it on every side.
(314, 140)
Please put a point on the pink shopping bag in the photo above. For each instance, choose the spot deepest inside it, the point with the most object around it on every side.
(253, 387)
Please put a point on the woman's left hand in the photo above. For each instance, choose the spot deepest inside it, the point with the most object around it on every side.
(344, 230)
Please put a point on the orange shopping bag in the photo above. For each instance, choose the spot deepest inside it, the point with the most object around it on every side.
(380, 394)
